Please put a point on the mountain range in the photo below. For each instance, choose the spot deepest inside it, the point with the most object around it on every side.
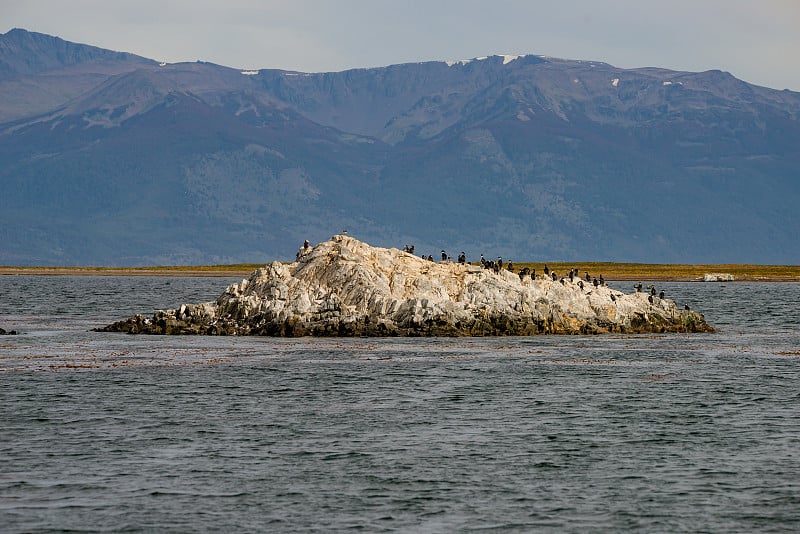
(108, 158)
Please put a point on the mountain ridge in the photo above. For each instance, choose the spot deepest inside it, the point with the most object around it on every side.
(529, 158)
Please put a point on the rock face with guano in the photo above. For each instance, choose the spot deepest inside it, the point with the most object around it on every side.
(344, 287)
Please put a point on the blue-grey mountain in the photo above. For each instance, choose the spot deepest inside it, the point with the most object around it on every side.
(110, 158)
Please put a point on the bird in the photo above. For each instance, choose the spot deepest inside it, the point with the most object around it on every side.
(686, 307)
(661, 295)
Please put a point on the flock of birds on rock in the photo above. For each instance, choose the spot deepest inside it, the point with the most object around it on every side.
(498, 265)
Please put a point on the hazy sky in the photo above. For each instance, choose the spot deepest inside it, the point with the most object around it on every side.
(756, 40)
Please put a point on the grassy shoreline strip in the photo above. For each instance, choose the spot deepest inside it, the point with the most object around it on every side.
(609, 270)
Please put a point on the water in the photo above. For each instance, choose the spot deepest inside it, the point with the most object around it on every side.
(650, 433)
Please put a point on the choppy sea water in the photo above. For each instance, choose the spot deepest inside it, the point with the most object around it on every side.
(111, 432)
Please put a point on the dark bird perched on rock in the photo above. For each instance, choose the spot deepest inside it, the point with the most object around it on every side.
(650, 299)
(510, 266)
(613, 298)
(546, 270)
(661, 295)
(533, 274)
(588, 279)
(444, 256)
(638, 287)
(499, 263)
(553, 275)
(602, 280)
(595, 283)
(686, 307)
(653, 291)
(580, 284)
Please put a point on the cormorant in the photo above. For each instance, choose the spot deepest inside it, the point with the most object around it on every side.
(444, 256)
(546, 270)
(661, 295)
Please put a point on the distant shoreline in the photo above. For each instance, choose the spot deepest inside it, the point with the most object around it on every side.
(125, 271)
(610, 271)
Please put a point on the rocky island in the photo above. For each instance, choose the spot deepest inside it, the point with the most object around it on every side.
(344, 287)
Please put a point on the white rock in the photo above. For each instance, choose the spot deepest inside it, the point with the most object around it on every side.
(346, 287)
